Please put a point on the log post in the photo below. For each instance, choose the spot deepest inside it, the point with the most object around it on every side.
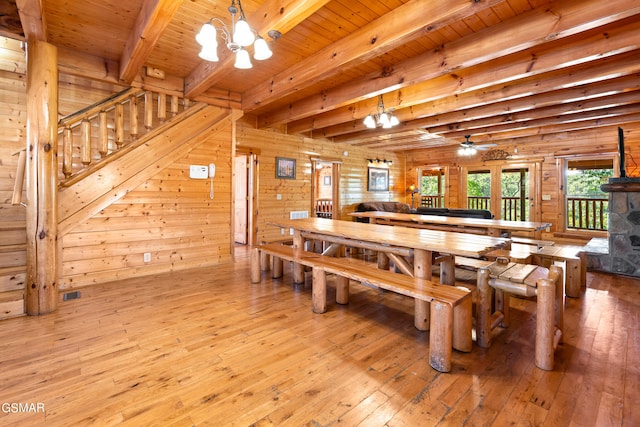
(319, 290)
(119, 125)
(103, 134)
(421, 270)
(85, 149)
(133, 117)
(67, 152)
(162, 107)
(545, 324)
(18, 185)
(174, 105)
(42, 179)
(148, 110)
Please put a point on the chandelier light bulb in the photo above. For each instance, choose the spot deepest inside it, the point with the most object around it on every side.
(209, 53)
(394, 121)
(243, 34)
(242, 60)
(261, 50)
(369, 122)
(207, 35)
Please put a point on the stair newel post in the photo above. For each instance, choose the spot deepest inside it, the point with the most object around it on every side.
(162, 107)
(148, 110)
(133, 117)
(67, 152)
(174, 105)
(85, 150)
(119, 125)
(42, 178)
(103, 134)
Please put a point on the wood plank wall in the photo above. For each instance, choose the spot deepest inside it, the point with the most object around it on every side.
(170, 216)
(13, 116)
(548, 153)
(296, 194)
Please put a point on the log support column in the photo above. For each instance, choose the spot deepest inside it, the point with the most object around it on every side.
(42, 178)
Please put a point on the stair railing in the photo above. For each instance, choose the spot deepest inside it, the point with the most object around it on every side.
(90, 135)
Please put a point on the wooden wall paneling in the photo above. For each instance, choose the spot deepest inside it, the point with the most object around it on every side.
(296, 194)
(169, 215)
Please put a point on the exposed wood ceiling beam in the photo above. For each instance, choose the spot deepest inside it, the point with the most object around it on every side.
(153, 19)
(32, 18)
(601, 70)
(457, 56)
(281, 15)
(370, 41)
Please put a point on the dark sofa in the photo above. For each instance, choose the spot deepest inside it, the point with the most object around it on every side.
(384, 207)
(465, 213)
(404, 208)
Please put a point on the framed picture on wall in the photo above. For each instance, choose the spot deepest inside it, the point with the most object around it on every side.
(285, 168)
(378, 179)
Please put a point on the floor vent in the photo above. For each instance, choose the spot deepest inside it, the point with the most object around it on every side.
(71, 295)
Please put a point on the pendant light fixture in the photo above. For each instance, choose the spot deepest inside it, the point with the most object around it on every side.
(382, 117)
(240, 36)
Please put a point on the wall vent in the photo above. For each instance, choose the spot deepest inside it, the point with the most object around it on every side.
(298, 214)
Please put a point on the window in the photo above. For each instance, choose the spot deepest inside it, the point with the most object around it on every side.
(587, 205)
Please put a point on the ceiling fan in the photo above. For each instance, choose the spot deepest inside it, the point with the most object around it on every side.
(468, 148)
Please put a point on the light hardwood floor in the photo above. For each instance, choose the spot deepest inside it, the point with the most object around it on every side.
(206, 347)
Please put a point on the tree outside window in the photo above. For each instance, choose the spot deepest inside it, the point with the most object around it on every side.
(587, 205)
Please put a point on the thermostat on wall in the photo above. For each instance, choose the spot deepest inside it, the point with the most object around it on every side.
(198, 172)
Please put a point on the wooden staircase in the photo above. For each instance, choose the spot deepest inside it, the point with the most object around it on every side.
(99, 136)
(13, 271)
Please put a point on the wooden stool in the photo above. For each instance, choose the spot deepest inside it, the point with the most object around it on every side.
(524, 280)
(521, 257)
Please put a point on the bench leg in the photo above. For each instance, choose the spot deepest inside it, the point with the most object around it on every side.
(448, 271)
(255, 265)
(502, 299)
(421, 315)
(483, 309)
(573, 273)
(276, 271)
(462, 324)
(440, 337)
(319, 290)
(265, 261)
(560, 296)
(545, 327)
(383, 261)
(342, 290)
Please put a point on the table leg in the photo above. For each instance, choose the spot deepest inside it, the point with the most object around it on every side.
(483, 309)
(255, 265)
(421, 270)
(298, 246)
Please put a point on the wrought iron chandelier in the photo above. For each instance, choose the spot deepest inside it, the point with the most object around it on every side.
(240, 36)
(382, 117)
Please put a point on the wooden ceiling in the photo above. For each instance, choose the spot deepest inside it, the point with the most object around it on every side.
(502, 71)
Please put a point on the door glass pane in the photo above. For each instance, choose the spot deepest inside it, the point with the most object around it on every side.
(515, 194)
(432, 187)
(479, 189)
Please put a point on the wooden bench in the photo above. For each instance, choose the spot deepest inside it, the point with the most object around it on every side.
(532, 242)
(523, 280)
(574, 268)
(444, 310)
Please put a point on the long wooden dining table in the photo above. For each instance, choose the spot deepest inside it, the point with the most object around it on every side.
(412, 250)
(491, 227)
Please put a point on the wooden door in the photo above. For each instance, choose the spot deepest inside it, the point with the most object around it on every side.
(241, 208)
